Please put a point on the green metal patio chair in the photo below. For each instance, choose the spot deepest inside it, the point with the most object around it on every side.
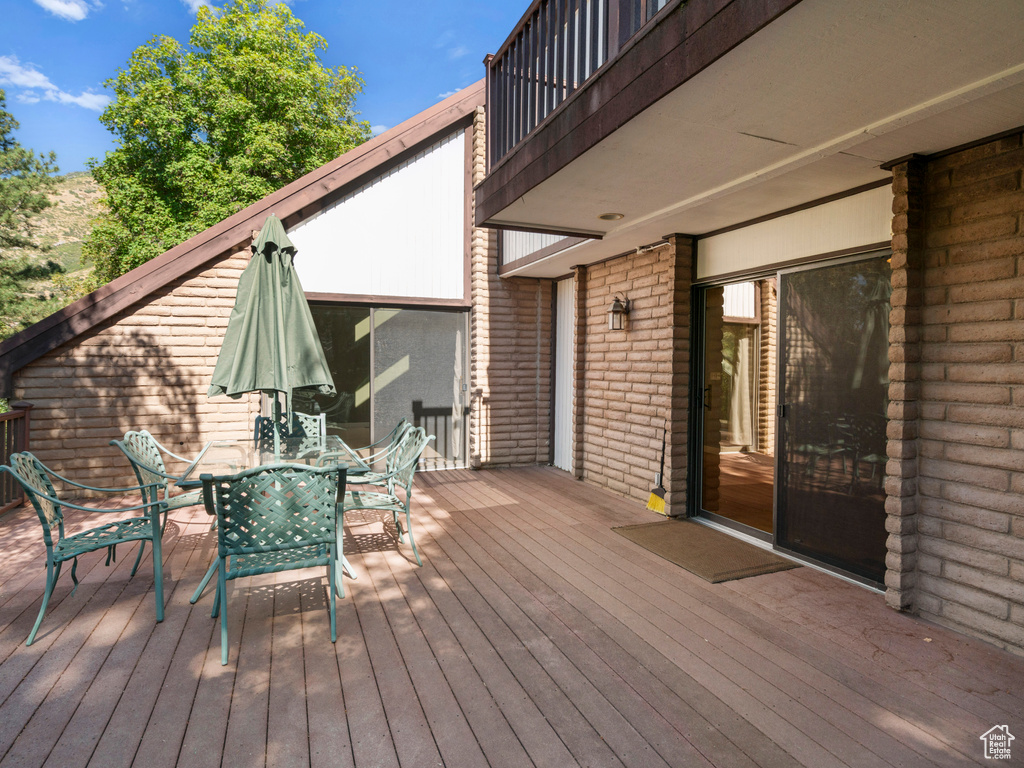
(274, 518)
(37, 481)
(146, 455)
(391, 491)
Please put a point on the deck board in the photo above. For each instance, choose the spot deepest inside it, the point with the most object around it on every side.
(714, 626)
(533, 635)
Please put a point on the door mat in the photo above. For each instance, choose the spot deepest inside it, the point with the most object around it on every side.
(703, 551)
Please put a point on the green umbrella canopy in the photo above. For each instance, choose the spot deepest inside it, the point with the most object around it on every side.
(270, 344)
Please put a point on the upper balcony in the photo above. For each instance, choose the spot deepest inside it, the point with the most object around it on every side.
(694, 116)
(557, 47)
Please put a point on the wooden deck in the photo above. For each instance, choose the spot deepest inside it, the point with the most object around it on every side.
(533, 635)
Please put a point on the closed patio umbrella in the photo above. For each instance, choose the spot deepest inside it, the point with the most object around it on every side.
(271, 344)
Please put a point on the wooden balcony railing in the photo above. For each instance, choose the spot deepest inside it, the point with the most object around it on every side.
(14, 432)
(557, 47)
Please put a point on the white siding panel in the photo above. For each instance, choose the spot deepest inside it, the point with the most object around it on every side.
(401, 235)
(850, 222)
(565, 345)
(519, 245)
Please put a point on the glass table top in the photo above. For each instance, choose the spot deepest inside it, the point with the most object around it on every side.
(226, 457)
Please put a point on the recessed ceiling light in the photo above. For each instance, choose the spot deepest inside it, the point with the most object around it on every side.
(610, 216)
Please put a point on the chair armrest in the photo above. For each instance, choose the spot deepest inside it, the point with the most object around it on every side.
(170, 453)
(61, 502)
(69, 481)
(146, 467)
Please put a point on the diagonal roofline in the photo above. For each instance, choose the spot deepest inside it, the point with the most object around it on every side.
(292, 204)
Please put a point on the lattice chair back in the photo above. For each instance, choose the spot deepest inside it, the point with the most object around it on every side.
(32, 476)
(144, 455)
(275, 510)
(264, 432)
(311, 429)
(275, 518)
(396, 439)
(309, 424)
(407, 457)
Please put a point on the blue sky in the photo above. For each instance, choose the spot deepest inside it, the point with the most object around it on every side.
(55, 56)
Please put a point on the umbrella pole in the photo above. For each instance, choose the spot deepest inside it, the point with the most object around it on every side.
(277, 430)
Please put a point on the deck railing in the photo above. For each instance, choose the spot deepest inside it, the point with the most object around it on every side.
(557, 47)
(438, 422)
(14, 433)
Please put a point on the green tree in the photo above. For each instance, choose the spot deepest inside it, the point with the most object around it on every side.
(25, 179)
(207, 130)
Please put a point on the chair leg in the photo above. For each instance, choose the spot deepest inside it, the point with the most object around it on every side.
(158, 570)
(52, 574)
(222, 588)
(206, 580)
(412, 540)
(215, 611)
(138, 558)
(332, 576)
(340, 566)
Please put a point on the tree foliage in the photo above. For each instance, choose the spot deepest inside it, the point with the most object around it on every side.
(207, 130)
(25, 179)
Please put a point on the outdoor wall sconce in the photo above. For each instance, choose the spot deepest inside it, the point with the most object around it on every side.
(617, 314)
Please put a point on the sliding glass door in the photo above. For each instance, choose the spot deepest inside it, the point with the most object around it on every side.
(834, 378)
(390, 364)
(792, 410)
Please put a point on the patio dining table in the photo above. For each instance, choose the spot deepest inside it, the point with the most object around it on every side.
(228, 457)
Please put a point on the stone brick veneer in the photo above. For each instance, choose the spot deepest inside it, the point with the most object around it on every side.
(637, 380)
(146, 368)
(510, 358)
(970, 471)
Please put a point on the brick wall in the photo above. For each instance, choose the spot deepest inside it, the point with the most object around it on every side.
(632, 379)
(149, 367)
(970, 516)
(510, 357)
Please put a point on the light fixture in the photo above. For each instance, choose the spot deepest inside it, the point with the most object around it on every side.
(617, 314)
(610, 216)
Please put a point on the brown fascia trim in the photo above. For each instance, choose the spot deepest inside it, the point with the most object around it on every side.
(291, 204)
(650, 66)
(549, 250)
(390, 302)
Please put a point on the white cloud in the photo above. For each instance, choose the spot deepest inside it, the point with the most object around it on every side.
(457, 52)
(446, 94)
(13, 73)
(38, 86)
(72, 10)
(376, 130)
(94, 101)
